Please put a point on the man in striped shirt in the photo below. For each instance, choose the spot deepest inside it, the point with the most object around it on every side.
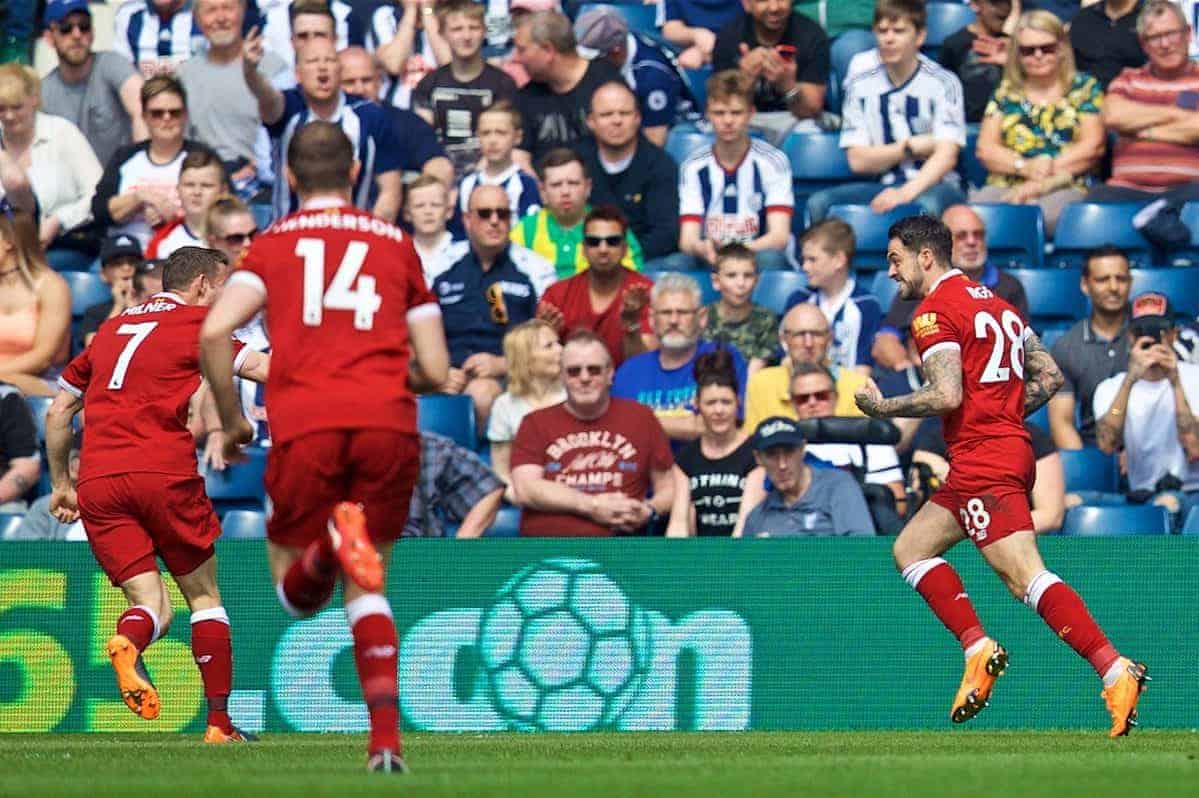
(1155, 109)
(156, 35)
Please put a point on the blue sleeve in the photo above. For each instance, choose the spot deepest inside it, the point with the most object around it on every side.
(674, 10)
(798, 297)
(658, 96)
(872, 317)
(530, 196)
(742, 369)
(418, 141)
(624, 384)
(293, 105)
(389, 145)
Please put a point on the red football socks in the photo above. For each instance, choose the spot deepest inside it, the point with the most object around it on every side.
(213, 651)
(375, 654)
(1066, 614)
(139, 625)
(308, 584)
(941, 587)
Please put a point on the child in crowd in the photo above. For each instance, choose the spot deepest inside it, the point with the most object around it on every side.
(202, 181)
(499, 133)
(429, 210)
(734, 318)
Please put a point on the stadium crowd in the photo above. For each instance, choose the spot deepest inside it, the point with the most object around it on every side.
(654, 232)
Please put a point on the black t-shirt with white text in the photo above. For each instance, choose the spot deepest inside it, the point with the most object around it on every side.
(456, 107)
(716, 485)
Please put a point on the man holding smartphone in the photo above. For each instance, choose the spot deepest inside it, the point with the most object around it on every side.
(1133, 406)
(786, 54)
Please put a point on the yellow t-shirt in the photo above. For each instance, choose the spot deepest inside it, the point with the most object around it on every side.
(769, 394)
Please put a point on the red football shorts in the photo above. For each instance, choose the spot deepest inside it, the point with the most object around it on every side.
(307, 476)
(988, 488)
(131, 518)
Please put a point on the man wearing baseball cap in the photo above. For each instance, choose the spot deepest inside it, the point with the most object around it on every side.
(1147, 410)
(804, 500)
(120, 258)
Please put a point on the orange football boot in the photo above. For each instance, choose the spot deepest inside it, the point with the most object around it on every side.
(982, 669)
(358, 557)
(132, 679)
(1121, 698)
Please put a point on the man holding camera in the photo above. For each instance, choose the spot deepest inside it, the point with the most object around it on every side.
(1132, 408)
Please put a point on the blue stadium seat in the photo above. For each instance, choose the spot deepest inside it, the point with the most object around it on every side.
(944, 20)
(969, 167)
(238, 487)
(1089, 469)
(1191, 525)
(243, 525)
(817, 163)
(61, 259)
(697, 82)
(1051, 331)
(38, 405)
(708, 292)
(1053, 294)
(870, 228)
(884, 288)
(8, 524)
(263, 215)
(774, 287)
(682, 140)
(642, 18)
(507, 523)
(1180, 284)
(1128, 519)
(87, 289)
(451, 416)
(1015, 234)
(1084, 226)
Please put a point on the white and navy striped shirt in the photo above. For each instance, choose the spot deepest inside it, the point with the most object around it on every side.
(854, 316)
(521, 187)
(397, 91)
(366, 124)
(732, 205)
(154, 45)
(877, 112)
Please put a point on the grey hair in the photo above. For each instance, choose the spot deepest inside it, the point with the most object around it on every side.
(552, 28)
(676, 283)
(1154, 9)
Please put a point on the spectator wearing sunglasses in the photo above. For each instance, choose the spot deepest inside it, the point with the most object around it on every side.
(584, 468)
(493, 288)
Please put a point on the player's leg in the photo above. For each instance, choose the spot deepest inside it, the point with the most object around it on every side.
(918, 549)
(1018, 562)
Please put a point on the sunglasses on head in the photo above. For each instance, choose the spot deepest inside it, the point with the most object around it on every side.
(500, 214)
(1029, 50)
(804, 398)
(237, 239)
(165, 113)
(67, 28)
(592, 370)
(595, 241)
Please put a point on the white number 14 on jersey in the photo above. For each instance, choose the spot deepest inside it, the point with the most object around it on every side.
(344, 293)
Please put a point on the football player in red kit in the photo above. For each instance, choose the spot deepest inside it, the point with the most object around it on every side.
(984, 370)
(138, 492)
(346, 304)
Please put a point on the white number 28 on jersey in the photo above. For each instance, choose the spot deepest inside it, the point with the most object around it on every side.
(1008, 330)
(344, 293)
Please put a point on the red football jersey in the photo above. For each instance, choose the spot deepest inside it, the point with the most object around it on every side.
(962, 314)
(135, 380)
(340, 287)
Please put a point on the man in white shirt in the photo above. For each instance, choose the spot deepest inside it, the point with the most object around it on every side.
(1135, 408)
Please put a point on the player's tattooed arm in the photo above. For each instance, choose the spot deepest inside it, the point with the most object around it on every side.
(1042, 377)
(940, 394)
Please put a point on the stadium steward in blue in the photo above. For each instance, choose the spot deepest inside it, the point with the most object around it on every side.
(853, 313)
(665, 380)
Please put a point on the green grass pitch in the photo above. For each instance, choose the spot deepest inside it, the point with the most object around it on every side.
(959, 762)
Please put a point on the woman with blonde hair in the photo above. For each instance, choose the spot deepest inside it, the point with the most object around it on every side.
(62, 167)
(1042, 133)
(35, 309)
(534, 356)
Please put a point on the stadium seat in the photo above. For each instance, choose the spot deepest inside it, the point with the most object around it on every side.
(1180, 284)
(1053, 294)
(1051, 331)
(682, 140)
(1084, 226)
(263, 215)
(708, 292)
(507, 523)
(38, 405)
(1128, 519)
(1089, 469)
(243, 525)
(944, 20)
(1015, 234)
(641, 18)
(451, 416)
(239, 486)
(817, 163)
(87, 289)
(871, 230)
(697, 82)
(1191, 525)
(969, 167)
(883, 287)
(8, 524)
(774, 287)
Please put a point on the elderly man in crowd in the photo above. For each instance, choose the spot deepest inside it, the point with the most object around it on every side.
(586, 467)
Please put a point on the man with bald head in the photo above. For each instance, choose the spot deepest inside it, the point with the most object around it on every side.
(805, 337)
(493, 288)
(970, 256)
(629, 171)
(319, 96)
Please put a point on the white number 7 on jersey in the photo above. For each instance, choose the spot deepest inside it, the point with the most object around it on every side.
(139, 333)
(342, 293)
